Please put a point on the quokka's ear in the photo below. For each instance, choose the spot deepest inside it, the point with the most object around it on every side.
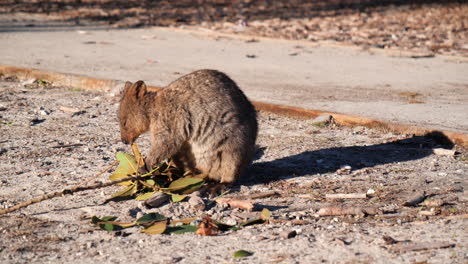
(126, 87)
(139, 89)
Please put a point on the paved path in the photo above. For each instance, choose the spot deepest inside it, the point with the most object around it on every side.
(428, 92)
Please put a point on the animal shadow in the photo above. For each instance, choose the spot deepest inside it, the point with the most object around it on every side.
(358, 157)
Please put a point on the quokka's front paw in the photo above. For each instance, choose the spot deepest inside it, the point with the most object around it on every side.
(143, 170)
(214, 189)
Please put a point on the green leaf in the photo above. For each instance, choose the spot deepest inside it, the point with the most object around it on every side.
(252, 222)
(151, 182)
(156, 228)
(222, 226)
(193, 187)
(185, 185)
(109, 218)
(152, 217)
(110, 227)
(96, 219)
(177, 198)
(127, 166)
(181, 229)
(145, 196)
(265, 214)
(107, 223)
(124, 194)
(242, 254)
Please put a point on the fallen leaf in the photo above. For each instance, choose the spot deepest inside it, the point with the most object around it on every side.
(207, 227)
(152, 217)
(177, 198)
(252, 222)
(144, 196)
(243, 204)
(181, 229)
(156, 228)
(124, 194)
(265, 214)
(108, 223)
(185, 185)
(127, 166)
(242, 254)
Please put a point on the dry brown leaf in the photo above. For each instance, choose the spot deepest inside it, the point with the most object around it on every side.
(207, 227)
(243, 204)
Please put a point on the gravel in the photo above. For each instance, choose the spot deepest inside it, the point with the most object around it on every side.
(297, 159)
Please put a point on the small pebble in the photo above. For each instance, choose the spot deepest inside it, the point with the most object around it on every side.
(288, 234)
(196, 202)
(157, 200)
(322, 120)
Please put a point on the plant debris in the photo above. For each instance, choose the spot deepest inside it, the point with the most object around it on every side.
(242, 254)
(165, 178)
(155, 223)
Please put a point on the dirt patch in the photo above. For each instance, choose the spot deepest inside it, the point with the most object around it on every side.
(52, 138)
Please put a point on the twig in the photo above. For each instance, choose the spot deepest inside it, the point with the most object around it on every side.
(97, 175)
(422, 246)
(346, 196)
(256, 195)
(293, 221)
(154, 188)
(219, 196)
(390, 240)
(333, 211)
(73, 190)
(68, 145)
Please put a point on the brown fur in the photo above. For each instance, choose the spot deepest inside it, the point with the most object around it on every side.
(203, 121)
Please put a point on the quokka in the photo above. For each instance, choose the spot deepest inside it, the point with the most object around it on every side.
(202, 121)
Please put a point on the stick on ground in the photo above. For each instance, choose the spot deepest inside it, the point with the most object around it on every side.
(346, 196)
(73, 190)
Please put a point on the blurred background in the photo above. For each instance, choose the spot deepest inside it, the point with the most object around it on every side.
(431, 26)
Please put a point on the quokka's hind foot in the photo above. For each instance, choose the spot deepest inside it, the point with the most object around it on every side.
(214, 189)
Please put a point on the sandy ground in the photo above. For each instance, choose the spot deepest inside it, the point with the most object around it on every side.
(45, 147)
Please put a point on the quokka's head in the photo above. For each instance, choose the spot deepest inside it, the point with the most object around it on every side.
(133, 115)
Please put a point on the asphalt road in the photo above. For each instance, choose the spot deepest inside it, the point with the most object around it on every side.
(427, 92)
